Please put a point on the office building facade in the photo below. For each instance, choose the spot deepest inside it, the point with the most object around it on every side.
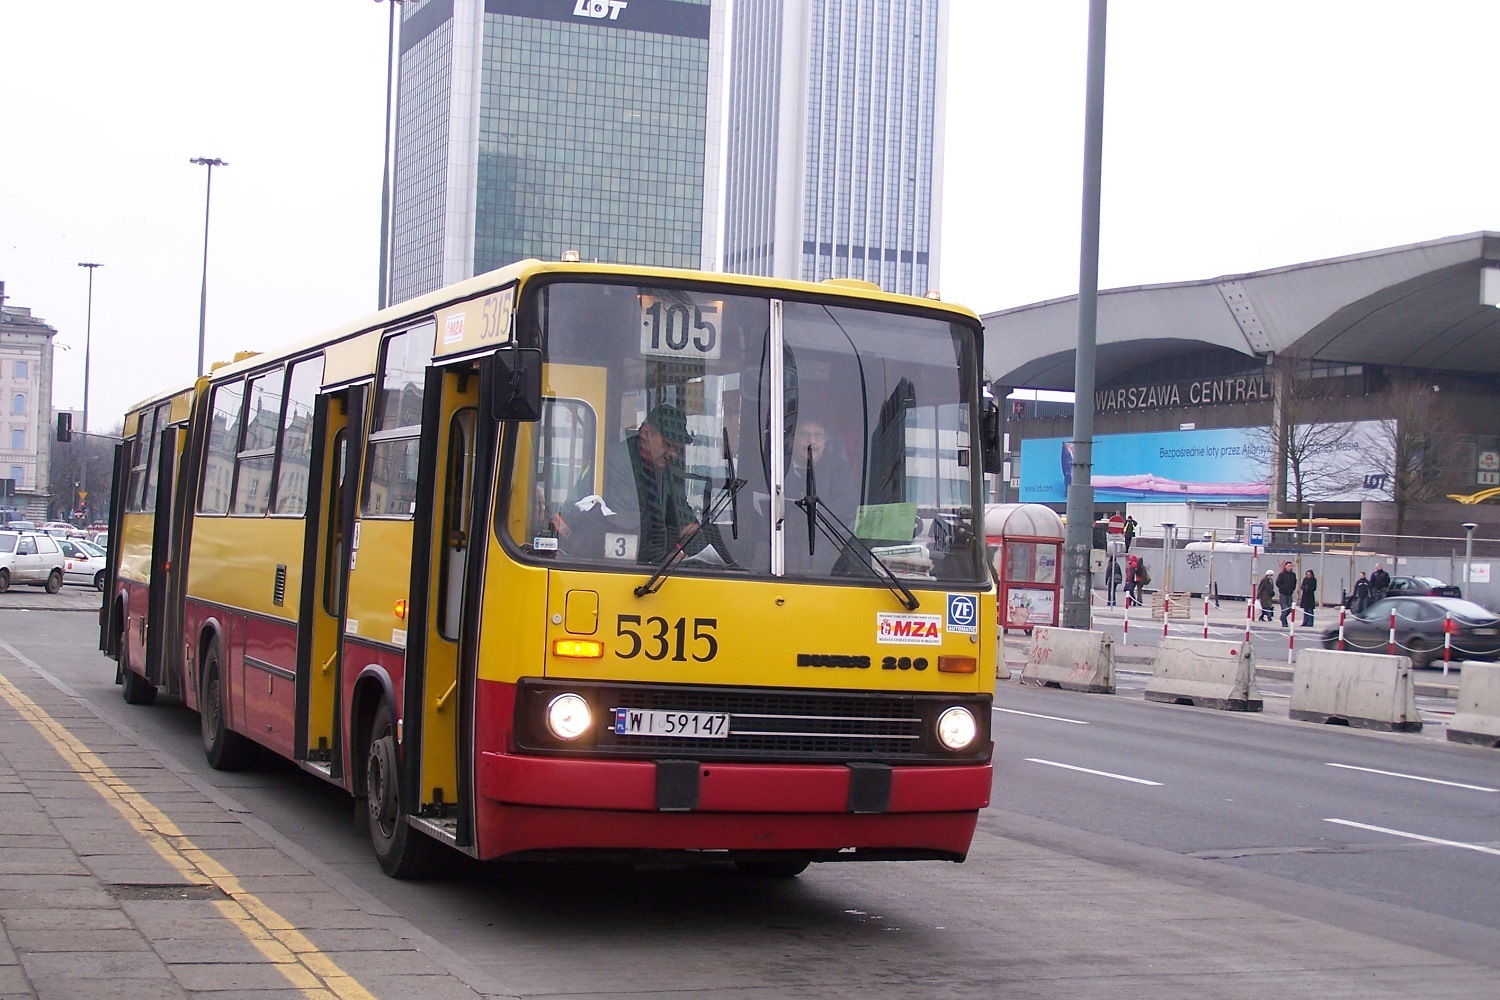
(526, 128)
(25, 427)
(835, 145)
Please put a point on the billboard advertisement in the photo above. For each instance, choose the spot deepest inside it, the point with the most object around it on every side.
(1209, 466)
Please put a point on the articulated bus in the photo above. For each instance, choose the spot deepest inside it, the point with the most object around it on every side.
(416, 556)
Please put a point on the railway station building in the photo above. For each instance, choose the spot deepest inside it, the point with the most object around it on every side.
(1361, 387)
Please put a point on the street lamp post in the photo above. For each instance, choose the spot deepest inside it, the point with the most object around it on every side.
(1168, 534)
(88, 337)
(210, 163)
(1469, 527)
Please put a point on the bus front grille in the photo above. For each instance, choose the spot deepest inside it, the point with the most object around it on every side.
(766, 724)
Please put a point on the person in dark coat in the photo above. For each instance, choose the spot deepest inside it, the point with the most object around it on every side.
(1361, 594)
(1130, 528)
(1307, 598)
(1286, 588)
(1112, 576)
(1380, 582)
(1265, 595)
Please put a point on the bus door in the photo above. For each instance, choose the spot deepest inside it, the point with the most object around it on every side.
(159, 634)
(448, 534)
(338, 420)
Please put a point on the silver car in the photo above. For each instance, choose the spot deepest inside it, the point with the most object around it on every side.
(30, 557)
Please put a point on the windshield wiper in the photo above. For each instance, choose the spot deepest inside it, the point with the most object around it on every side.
(705, 522)
(819, 515)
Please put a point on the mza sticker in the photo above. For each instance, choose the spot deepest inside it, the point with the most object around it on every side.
(963, 614)
(922, 630)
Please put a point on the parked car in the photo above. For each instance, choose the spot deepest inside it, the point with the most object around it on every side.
(84, 563)
(1421, 623)
(30, 557)
(1429, 586)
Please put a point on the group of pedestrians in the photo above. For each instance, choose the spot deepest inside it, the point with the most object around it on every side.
(1292, 593)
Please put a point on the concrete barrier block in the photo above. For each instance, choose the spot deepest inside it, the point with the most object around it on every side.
(1366, 690)
(1477, 717)
(1207, 673)
(1072, 659)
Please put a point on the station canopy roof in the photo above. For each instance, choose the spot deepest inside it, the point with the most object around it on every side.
(1414, 306)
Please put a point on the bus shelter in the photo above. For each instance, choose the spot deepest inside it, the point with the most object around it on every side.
(1024, 542)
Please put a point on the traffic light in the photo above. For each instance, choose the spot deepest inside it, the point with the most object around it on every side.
(65, 426)
(7, 490)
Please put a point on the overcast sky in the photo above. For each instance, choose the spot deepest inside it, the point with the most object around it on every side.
(1239, 136)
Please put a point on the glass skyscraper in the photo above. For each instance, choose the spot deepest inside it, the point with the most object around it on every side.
(525, 128)
(834, 156)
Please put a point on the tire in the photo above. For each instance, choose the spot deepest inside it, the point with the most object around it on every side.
(54, 581)
(137, 690)
(1420, 655)
(4, 580)
(225, 749)
(788, 867)
(402, 851)
(99, 581)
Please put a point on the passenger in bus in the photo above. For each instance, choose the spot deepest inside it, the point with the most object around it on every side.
(837, 489)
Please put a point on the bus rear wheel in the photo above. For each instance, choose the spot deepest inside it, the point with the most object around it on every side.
(138, 690)
(226, 750)
(402, 851)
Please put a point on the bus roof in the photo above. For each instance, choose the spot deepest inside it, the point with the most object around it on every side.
(424, 305)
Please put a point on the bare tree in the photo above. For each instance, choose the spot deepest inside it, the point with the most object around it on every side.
(1419, 444)
(1305, 440)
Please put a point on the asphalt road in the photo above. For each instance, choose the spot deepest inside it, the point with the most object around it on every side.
(1133, 849)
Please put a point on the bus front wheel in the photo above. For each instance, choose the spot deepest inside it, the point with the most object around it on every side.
(401, 851)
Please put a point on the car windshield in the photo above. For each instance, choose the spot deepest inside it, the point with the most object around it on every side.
(88, 547)
(707, 404)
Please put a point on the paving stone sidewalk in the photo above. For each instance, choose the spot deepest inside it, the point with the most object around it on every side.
(119, 879)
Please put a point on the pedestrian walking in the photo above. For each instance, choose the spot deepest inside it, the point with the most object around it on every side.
(1112, 576)
(1131, 597)
(1361, 594)
(1265, 595)
(1286, 589)
(1130, 527)
(1308, 598)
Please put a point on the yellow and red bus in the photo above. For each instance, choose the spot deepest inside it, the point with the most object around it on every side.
(410, 555)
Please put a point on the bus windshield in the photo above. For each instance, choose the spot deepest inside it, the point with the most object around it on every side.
(743, 434)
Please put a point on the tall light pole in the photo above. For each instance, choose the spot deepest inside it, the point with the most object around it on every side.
(383, 296)
(1469, 527)
(210, 163)
(88, 337)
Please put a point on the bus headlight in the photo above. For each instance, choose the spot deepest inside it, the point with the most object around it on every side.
(956, 728)
(568, 716)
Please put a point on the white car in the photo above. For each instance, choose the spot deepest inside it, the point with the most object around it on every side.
(30, 557)
(84, 563)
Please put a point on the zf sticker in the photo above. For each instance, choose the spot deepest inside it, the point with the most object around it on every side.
(963, 614)
(922, 630)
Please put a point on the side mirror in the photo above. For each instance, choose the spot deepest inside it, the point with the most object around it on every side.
(516, 384)
(989, 435)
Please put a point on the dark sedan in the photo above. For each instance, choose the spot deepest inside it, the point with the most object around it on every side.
(1417, 586)
(1420, 626)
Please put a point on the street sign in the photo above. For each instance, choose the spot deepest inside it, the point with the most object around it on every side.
(1257, 532)
(1116, 525)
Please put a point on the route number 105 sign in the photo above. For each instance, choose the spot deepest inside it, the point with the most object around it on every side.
(681, 327)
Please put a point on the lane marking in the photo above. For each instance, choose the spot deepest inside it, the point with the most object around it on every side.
(1415, 777)
(1049, 718)
(1089, 770)
(299, 961)
(1415, 836)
